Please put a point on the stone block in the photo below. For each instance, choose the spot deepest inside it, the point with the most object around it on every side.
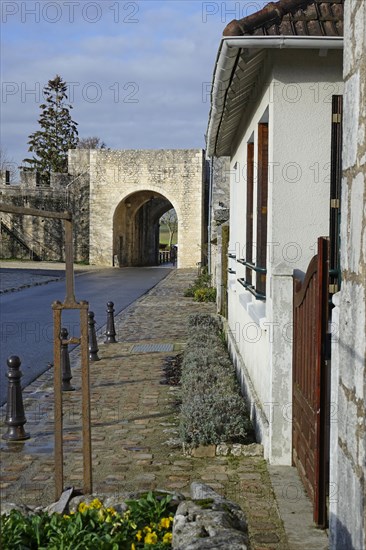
(204, 451)
(209, 521)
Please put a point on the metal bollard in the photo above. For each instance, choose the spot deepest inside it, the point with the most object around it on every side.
(65, 362)
(15, 417)
(111, 331)
(93, 344)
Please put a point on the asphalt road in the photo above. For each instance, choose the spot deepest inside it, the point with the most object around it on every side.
(26, 327)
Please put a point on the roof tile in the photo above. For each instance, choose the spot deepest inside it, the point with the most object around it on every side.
(292, 18)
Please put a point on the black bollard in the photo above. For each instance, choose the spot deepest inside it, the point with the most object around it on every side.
(15, 417)
(111, 331)
(65, 362)
(93, 344)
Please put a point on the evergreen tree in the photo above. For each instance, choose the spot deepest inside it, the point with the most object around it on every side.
(57, 135)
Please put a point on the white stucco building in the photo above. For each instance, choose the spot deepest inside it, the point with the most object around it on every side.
(275, 124)
(276, 111)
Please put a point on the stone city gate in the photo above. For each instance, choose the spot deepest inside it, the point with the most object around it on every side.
(129, 191)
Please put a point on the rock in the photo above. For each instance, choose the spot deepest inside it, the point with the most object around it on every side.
(117, 504)
(222, 450)
(254, 449)
(7, 507)
(209, 521)
(204, 451)
(236, 449)
(60, 506)
(201, 491)
(226, 540)
(75, 501)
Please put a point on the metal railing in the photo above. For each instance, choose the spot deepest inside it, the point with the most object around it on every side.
(258, 290)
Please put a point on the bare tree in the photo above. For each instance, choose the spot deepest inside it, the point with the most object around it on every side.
(8, 164)
(91, 142)
(171, 221)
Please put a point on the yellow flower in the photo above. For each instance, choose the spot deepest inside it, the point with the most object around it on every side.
(111, 511)
(66, 516)
(167, 538)
(101, 515)
(151, 538)
(139, 535)
(82, 507)
(96, 504)
(147, 529)
(133, 547)
(165, 523)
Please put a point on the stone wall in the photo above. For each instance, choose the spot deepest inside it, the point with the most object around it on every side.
(219, 213)
(117, 199)
(26, 237)
(348, 434)
(121, 182)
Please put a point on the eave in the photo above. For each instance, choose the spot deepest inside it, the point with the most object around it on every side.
(236, 72)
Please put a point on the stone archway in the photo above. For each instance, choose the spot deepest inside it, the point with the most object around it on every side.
(136, 229)
(150, 181)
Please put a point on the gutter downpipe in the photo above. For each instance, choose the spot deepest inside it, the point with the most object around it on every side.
(210, 184)
(226, 59)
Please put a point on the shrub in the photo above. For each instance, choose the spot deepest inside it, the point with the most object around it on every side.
(213, 410)
(201, 290)
(205, 294)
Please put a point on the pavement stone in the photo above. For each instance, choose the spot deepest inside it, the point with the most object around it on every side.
(134, 420)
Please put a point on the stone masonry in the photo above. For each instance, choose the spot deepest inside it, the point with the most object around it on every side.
(117, 199)
(348, 437)
(27, 237)
(122, 182)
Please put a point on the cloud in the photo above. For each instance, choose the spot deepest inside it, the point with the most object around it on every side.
(136, 85)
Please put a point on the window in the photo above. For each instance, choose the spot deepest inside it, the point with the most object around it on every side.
(260, 266)
(249, 217)
(262, 201)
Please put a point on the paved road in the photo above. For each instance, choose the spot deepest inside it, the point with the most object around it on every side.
(26, 316)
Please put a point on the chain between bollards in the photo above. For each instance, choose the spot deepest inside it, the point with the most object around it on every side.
(110, 331)
(15, 417)
(65, 361)
(93, 344)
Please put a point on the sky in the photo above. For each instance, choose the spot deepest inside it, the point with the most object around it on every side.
(138, 72)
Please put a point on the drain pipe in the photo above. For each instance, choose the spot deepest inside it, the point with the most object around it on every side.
(210, 185)
(229, 51)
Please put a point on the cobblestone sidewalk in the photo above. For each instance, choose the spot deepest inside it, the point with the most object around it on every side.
(134, 423)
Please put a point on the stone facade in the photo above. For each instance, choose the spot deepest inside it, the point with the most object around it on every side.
(130, 190)
(219, 213)
(348, 437)
(117, 199)
(28, 237)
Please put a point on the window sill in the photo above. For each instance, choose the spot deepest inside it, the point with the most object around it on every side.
(256, 309)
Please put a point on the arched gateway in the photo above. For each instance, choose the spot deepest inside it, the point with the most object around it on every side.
(130, 190)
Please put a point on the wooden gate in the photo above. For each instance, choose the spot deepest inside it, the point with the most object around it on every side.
(310, 437)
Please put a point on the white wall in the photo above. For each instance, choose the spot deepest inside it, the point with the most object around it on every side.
(297, 96)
